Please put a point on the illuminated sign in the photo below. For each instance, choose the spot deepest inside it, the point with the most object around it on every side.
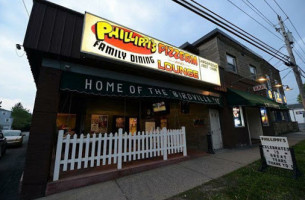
(264, 117)
(109, 40)
(269, 94)
(277, 97)
(238, 117)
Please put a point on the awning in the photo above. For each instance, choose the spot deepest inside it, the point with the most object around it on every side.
(241, 98)
(110, 87)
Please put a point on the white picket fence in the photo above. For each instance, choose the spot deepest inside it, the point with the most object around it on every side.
(107, 149)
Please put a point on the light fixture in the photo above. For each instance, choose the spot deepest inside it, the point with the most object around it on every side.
(287, 88)
(18, 46)
(262, 79)
(278, 85)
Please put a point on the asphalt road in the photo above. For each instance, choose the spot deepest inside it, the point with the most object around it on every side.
(11, 168)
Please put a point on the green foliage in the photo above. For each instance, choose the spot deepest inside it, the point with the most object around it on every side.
(22, 118)
(249, 183)
(299, 99)
(299, 96)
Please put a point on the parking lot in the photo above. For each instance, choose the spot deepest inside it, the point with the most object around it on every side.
(11, 168)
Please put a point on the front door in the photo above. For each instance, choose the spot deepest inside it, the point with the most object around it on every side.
(254, 123)
(215, 129)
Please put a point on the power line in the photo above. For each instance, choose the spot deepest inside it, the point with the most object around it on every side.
(285, 69)
(301, 69)
(286, 75)
(276, 63)
(258, 12)
(298, 54)
(277, 51)
(26, 8)
(299, 45)
(271, 7)
(290, 22)
(281, 8)
(230, 29)
(235, 26)
(255, 20)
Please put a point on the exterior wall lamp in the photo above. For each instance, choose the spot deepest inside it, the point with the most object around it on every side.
(287, 88)
(262, 79)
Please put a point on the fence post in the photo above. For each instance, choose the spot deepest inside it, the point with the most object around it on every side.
(120, 149)
(184, 141)
(164, 135)
(58, 155)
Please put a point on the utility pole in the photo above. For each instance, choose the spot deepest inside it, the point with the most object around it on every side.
(288, 42)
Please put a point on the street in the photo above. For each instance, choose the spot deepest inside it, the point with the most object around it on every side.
(11, 168)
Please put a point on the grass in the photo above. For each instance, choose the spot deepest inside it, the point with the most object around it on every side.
(249, 183)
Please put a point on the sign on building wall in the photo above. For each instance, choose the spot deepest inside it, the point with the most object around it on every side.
(259, 87)
(277, 152)
(107, 39)
(238, 117)
(110, 87)
(269, 94)
(277, 97)
(264, 116)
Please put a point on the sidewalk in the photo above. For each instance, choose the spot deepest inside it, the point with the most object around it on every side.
(165, 182)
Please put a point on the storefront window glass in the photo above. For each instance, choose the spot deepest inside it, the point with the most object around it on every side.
(120, 122)
(99, 123)
(66, 122)
(264, 116)
(238, 117)
(133, 125)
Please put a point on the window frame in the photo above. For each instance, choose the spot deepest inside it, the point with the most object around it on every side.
(253, 76)
(229, 64)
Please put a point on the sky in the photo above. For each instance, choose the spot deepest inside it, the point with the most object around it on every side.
(162, 19)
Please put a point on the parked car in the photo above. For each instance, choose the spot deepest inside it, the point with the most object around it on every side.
(3, 144)
(13, 137)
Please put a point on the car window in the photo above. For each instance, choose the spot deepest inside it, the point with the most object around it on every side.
(1, 135)
(11, 133)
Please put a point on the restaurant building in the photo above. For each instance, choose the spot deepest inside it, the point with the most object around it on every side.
(118, 91)
(110, 99)
(252, 108)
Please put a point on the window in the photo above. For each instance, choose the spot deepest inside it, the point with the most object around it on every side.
(253, 72)
(3, 113)
(231, 63)
(264, 117)
(268, 82)
(238, 117)
(7, 120)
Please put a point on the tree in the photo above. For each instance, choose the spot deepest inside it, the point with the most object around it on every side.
(22, 117)
(299, 96)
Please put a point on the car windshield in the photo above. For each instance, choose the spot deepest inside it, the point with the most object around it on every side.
(11, 133)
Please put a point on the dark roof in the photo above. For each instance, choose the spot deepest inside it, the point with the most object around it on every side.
(296, 105)
(54, 29)
(218, 31)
